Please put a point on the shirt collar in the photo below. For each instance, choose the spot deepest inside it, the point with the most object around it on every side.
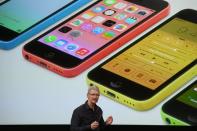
(87, 106)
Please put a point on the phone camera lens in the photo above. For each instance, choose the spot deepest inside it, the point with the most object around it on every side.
(27, 57)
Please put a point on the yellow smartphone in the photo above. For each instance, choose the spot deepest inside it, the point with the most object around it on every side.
(153, 67)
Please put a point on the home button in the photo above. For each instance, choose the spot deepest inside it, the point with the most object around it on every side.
(192, 118)
(50, 55)
(116, 84)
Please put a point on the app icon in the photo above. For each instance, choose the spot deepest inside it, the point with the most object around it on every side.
(50, 38)
(71, 47)
(140, 75)
(109, 35)
(109, 12)
(120, 5)
(88, 15)
(98, 9)
(76, 22)
(131, 9)
(60, 43)
(82, 51)
(120, 27)
(98, 30)
(87, 27)
(182, 30)
(65, 29)
(120, 16)
(98, 19)
(109, 23)
(142, 12)
(153, 81)
(131, 20)
(75, 33)
(109, 2)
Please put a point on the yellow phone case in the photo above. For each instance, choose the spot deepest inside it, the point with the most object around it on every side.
(149, 103)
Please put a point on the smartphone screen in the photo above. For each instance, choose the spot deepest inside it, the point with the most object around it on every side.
(19, 15)
(189, 97)
(96, 27)
(159, 56)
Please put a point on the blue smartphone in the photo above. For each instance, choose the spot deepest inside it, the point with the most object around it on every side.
(21, 19)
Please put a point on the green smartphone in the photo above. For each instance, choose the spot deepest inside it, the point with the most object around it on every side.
(182, 108)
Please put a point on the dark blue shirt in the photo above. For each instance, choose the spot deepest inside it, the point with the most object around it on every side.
(83, 116)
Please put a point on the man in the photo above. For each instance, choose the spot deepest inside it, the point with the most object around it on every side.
(89, 116)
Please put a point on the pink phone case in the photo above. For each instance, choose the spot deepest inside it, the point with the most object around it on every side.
(95, 58)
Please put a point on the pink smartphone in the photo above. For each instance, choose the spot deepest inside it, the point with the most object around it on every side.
(83, 39)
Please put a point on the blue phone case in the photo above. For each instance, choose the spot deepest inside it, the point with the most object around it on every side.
(6, 45)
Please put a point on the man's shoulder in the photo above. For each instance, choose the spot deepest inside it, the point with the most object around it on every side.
(99, 108)
(80, 107)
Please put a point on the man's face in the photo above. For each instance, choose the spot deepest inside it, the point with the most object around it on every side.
(93, 96)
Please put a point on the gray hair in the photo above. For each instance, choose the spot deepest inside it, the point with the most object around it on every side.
(93, 87)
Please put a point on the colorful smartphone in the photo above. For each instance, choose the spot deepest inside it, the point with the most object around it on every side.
(83, 39)
(21, 19)
(153, 67)
(182, 108)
